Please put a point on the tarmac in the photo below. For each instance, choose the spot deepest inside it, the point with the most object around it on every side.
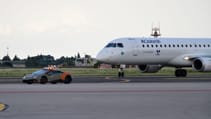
(172, 100)
(162, 97)
(100, 79)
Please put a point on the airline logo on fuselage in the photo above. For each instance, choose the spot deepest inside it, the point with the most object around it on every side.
(150, 41)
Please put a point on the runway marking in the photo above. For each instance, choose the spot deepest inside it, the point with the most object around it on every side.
(111, 78)
(191, 78)
(108, 91)
(107, 78)
(3, 107)
(124, 81)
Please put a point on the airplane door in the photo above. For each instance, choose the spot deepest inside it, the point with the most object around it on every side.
(135, 46)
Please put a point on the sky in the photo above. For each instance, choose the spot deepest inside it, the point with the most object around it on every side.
(66, 27)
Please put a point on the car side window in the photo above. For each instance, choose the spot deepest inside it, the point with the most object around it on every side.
(50, 72)
(58, 72)
(54, 72)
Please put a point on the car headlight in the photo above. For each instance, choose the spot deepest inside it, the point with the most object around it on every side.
(24, 77)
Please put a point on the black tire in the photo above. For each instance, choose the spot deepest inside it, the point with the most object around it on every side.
(68, 79)
(121, 74)
(43, 80)
(181, 73)
(54, 82)
(29, 81)
(184, 73)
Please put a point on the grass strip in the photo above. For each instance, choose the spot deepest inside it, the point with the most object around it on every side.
(20, 72)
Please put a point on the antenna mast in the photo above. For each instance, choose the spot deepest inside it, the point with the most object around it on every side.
(7, 51)
(155, 31)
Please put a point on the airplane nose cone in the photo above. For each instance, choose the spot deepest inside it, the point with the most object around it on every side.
(100, 57)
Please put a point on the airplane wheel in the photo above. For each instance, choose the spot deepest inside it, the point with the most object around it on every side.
(68, 79)
(181, 73)
(121, 74)
(43, 80)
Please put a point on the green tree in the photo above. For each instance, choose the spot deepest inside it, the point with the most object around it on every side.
(40, 61)
(78, 56)
(6, 58)
(6, 61)
(16, 58)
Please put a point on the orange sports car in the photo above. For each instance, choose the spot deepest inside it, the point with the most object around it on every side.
(46, 75)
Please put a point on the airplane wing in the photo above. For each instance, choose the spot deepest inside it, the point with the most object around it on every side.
(187, 59)
(191, 57)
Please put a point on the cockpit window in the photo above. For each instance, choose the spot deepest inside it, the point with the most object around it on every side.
(120, 45)
(114, 45)
(111, 45)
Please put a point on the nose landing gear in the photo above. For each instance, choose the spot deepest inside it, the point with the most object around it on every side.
(121, 73)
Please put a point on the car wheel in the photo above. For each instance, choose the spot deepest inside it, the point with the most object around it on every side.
(43, 80)
(68, 79)
(53, 82)
(29, 82)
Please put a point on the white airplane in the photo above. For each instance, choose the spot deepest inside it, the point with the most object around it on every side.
(151, 54)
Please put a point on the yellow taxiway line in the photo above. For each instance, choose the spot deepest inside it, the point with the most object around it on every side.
(2, 107)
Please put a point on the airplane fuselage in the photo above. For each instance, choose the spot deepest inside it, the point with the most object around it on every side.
(176, 52)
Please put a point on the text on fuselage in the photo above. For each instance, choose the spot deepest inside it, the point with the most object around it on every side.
(150, 41)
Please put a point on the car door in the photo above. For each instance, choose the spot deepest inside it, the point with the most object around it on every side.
(54, 75)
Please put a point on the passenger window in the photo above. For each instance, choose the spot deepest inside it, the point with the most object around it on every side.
(156, 45)
(195, 45)
(178, 45)
(173, 45)
(186, 45)
(208, 45)
(199, 45)
(182, 45)
(169, 45)
(161, 46)
(165, 46)
(204, 45)
(143, 46)
(152, 46)
(190, 45)
(147, 45)
(120, 45)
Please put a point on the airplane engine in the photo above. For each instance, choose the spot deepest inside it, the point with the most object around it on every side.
(149, 68)
(202, 64)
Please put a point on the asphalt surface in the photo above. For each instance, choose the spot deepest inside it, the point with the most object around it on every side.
(107, 100)
(199, 78)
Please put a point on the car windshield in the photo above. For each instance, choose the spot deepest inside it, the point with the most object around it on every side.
(42, 71)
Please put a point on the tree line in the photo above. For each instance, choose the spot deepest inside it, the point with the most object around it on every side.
(45, 60)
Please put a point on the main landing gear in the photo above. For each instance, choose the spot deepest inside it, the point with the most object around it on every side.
(181, 73)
